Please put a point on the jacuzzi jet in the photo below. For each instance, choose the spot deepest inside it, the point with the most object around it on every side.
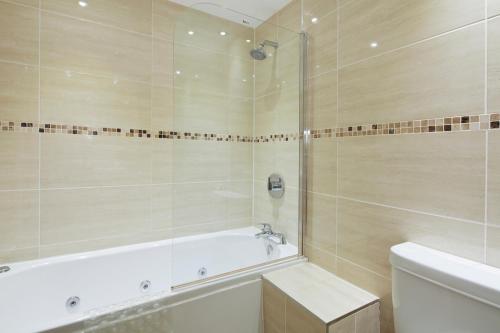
(202, 272)
(145, 286)
(72, 302)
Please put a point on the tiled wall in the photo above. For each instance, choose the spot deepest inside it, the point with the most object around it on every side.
(160, 145)
(405, 149)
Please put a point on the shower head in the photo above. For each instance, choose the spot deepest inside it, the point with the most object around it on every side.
(259, 53)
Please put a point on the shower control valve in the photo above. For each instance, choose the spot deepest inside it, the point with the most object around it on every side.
(275, 186)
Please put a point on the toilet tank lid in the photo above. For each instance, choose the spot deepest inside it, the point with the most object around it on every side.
(464, 276)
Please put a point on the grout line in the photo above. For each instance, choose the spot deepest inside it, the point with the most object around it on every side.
(337, 143)
(254, 77)
(39, 134)
(363, 268)
(457, 219)
(151, 144)
(486, 137)
(81, 19)
(414, 43)
(125, 186)
(4, 61)
(21, 4)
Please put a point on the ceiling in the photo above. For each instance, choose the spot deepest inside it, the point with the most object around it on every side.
(247, 12)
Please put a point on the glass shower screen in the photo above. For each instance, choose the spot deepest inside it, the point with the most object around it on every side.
(235, 141)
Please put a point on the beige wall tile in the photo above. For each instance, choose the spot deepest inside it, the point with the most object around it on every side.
(493, 178)
(321, 227)
(19, 222)
(420, 172)
(83, 214)
(134, 15)
(32, 3)
(289, 22)
(317, 9)
(287, 162)
(163, 63)
(162, 108)
(321, 258)
(162, 164)
(367, 319)
(322, 166)
(493, 7)
(436, 78)
(192, 198)
(346, 325)
(238, 196)
(165, 14)
(201, 112)
(18, 92)
(264, 160)
(274, 303)
(72, 98)
(493, 246)
(367, 232)
(373, 283)
(494, 65)
(198, 161)
(322, 106)
(134, 237)
(240, 161)
(74, 161)
(323, 45)
(198, 229)
(271, 111)
(18, 33)
(19, 156)
(289, 16)
(18, 255)
(299, 320)
(162, 206)
(72, 45)
(394, 23)
(203, 70)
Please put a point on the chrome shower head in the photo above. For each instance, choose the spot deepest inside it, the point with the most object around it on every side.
(259, 53)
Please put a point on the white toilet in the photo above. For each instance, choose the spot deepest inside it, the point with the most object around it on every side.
(435, 292)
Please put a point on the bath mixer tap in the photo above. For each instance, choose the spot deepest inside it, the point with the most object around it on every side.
(268, 233)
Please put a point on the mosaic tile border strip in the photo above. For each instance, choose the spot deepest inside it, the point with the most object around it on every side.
(32, 127)
(446, 124)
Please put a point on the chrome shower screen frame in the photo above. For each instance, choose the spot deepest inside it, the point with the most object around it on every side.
(305, 137)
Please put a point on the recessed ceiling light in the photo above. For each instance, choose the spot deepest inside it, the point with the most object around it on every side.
(248, 41)
(373, 45)
(244, 80)
(314, 20)
(83, 3)
(178, 72)
(190, 32)
(222, 33)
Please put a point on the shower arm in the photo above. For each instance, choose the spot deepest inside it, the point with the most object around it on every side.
(269, 43)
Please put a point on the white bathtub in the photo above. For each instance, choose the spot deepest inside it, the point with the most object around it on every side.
(33, 294)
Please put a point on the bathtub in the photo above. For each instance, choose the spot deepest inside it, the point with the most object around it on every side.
(53, 292)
